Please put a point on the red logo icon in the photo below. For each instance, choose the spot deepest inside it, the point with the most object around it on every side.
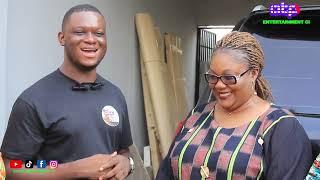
(15, 163)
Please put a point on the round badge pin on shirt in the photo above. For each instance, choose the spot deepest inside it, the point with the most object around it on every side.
(110, 116)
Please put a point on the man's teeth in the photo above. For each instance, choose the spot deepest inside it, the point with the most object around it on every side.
(224, 93)
(89, 50)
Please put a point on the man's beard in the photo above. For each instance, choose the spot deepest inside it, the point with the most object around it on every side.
(81, 67)
(85, 68)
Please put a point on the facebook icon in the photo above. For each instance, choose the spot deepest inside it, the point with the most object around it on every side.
(41, 163)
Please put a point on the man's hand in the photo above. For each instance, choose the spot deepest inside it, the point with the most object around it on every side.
(89, 167)
(119, 165)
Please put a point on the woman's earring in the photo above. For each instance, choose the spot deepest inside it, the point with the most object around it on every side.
(254, 91)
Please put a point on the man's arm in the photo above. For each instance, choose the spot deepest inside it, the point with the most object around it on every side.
(119, 165)
(125, 152)
(82, 168)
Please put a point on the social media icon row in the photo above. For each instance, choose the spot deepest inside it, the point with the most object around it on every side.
(30, 163)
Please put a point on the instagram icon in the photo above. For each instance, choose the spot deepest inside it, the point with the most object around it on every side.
(53, 164)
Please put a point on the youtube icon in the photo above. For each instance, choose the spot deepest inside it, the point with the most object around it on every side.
(15, 163)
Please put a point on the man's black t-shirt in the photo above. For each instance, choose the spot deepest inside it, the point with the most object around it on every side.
(52, 121)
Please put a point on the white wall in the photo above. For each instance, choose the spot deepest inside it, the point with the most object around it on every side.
(33, 50)
(3, 65)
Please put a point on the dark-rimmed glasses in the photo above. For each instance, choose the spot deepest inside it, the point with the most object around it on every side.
(226, 79)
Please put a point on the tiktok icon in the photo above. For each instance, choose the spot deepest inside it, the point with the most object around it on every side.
(28, 164)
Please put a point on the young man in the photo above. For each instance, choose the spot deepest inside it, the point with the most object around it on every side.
(73, 115)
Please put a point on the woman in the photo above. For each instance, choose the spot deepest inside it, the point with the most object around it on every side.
(314, 172)
(2, 169)
(241, 135)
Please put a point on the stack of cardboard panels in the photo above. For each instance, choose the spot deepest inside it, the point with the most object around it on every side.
(161, 86)
(175, 64)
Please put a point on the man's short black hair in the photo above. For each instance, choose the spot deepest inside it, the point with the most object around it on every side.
(79, 8)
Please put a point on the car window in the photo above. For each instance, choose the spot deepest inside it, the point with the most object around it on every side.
(292, 68)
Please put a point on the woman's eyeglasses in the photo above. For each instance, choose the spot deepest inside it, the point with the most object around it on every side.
(226, 79)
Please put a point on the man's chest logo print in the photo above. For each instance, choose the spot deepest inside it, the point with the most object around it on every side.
(110, 116)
